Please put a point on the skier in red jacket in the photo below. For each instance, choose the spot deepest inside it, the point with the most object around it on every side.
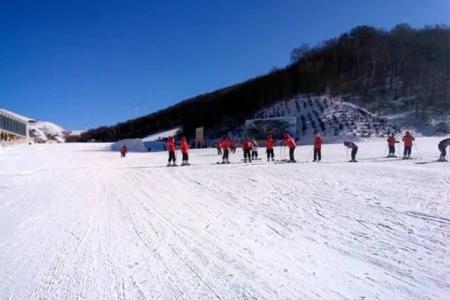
(123, 151)
(185, 151)
(408, 143)
(270, 143)
(247, 146)
(171, 147)
(225, 146)
(317, 148)
(290, 142)
(391, 144)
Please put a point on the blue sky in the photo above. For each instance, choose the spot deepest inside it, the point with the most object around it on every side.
(84, 64)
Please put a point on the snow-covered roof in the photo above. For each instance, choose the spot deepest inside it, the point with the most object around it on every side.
(14, 115)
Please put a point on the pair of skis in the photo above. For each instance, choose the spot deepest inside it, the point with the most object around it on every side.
(175, 165)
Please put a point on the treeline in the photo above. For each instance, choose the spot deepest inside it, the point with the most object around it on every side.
(408, 66)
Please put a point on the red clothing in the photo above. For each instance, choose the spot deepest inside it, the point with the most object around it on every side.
(408, 140)
(391, 141)
(225, 144)
(123, 149)
(171, 145)
(289, 141)
(317, 142)
(184, 147)
(270, 143)
(247, 145)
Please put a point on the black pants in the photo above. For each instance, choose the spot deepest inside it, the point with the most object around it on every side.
(443, 150)
(354, 151)
(219, 151)
(247, 155)
(185, 157)
(317, 154)
(225, 154)
(407, 151)
(391, 149)
(291, 154)
(269, 154)
(172, 156)
(254, 154)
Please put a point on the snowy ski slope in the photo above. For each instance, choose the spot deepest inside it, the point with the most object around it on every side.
(78, 222)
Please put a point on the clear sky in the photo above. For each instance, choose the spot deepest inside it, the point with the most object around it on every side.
(85, 63)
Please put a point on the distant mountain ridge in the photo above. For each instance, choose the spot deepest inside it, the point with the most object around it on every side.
(404, 70)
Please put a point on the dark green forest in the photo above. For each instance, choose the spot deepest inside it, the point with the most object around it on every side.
(389, 70)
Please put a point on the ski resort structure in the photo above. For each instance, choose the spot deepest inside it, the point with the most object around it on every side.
(13, 126)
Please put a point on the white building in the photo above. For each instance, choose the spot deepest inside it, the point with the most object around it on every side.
(13, 126)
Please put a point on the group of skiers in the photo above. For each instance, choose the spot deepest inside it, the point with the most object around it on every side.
(171, 147)
(250, 148)
(408, 140)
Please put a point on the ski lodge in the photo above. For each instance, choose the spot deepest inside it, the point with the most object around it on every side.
(13, 127)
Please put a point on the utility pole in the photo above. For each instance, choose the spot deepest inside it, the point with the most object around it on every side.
(135, 107)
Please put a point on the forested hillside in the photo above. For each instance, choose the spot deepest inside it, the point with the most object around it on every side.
(387, 72)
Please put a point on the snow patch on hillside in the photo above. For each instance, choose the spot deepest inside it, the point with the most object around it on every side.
(43, 132)
(332, 117)
(162, 135)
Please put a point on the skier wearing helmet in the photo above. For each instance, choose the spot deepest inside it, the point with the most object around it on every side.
(225, 146)
(317, 148)
(290, 143)
(270, 143)
(391, 144)
(247, 148)
(354, 147)
(123, 151)
(171, 147)
(408, 143)
(442, 148)
(185, 151)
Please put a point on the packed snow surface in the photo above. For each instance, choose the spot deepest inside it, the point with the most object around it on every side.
(79, 222)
